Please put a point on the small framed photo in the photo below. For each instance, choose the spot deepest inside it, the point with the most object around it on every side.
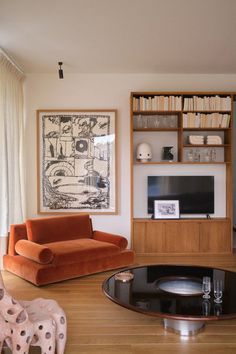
(166, 209)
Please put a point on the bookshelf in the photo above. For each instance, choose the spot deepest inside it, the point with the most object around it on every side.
(188, 115)
(198, 127)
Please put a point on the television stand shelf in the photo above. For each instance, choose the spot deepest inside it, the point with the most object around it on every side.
(190, 235)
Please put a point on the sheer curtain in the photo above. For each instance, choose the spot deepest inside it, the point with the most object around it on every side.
(11, 148)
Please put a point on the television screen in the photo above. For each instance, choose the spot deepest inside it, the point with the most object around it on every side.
(195, 193)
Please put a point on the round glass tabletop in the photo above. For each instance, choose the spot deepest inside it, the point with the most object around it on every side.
(173, 291)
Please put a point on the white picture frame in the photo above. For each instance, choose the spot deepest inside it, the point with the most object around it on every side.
(166, 209)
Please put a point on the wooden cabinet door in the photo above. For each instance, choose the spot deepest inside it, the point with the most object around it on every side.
(148, 237)
(182, 237)
(215, 237)
(139, 237)
(155, 237)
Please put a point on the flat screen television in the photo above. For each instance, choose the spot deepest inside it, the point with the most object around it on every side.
(195, 193)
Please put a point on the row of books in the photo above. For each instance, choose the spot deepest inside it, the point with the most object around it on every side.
(157, 103)
(212, 103)
(200, 120)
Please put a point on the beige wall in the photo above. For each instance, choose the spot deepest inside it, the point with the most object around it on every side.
(97, 91)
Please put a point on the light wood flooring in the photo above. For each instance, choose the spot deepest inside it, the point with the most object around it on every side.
(97, 325)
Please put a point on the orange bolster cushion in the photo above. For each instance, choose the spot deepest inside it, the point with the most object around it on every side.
(34, 251)
(117, 240)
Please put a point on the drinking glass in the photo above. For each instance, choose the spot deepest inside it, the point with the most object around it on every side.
(206, 287)
(206, 308)
(217, 309)
(213, 155)
(145, 122)
(173, 121)
(156, 122)
(150, 121)
(139, 122)
(190, 155)
(207, 156)
(218, 290)
(196, 155)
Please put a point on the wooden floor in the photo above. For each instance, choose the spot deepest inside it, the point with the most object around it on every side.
(96, 325)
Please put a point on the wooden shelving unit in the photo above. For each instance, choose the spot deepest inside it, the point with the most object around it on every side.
(191, 235)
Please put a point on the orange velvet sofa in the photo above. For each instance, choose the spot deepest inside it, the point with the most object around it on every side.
(48, 250)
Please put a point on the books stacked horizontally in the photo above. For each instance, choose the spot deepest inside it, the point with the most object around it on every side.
(157, 103)
(201, 120)
(196, 139)
(214, 140)
(211, 103)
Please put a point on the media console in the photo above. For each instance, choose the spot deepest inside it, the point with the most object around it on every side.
(186, 236)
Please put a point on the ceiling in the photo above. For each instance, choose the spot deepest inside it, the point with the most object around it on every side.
(120, 36)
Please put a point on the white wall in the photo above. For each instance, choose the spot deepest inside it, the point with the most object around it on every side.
(97, 91)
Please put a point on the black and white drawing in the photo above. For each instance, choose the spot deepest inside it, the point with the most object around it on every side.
(166, 209)
(77, 161)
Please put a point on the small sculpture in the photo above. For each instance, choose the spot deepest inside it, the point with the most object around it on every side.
(39, 322)
(167, 153)
(144, 152)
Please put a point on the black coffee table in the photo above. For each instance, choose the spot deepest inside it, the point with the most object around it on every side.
(173, 292)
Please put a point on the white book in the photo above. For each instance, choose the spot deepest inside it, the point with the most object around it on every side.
(178, 103)
(153, 104)
(145, 104)
(166, 103)
(213, 122)
(197, 120)
(217, 103)
(169, 103)
(173, 103)
(228, 120)
(186, 104)
(220, 121)
(191, 120)
(149, 107)
(162, 103)
(156, 103)
(141, 103)
(185, 120)
(224, 121)
(195, 102)
(219, 117)
(228, 103)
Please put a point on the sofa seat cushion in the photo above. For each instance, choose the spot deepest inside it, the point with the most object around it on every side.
(62, 228)
(82, 250)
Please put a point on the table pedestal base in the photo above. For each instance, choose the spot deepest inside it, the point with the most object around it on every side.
(182, 327)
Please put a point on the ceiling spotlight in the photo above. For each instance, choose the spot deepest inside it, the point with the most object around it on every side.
(60, 71)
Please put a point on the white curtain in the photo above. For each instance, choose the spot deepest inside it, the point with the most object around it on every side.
(12, 204)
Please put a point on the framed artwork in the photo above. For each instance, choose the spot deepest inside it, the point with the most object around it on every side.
(77, 161)
(166, 209)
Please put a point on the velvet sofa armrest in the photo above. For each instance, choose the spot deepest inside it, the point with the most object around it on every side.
(34, 251)
(117, 240)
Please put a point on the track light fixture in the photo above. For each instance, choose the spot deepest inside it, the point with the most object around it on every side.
(60, 70)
